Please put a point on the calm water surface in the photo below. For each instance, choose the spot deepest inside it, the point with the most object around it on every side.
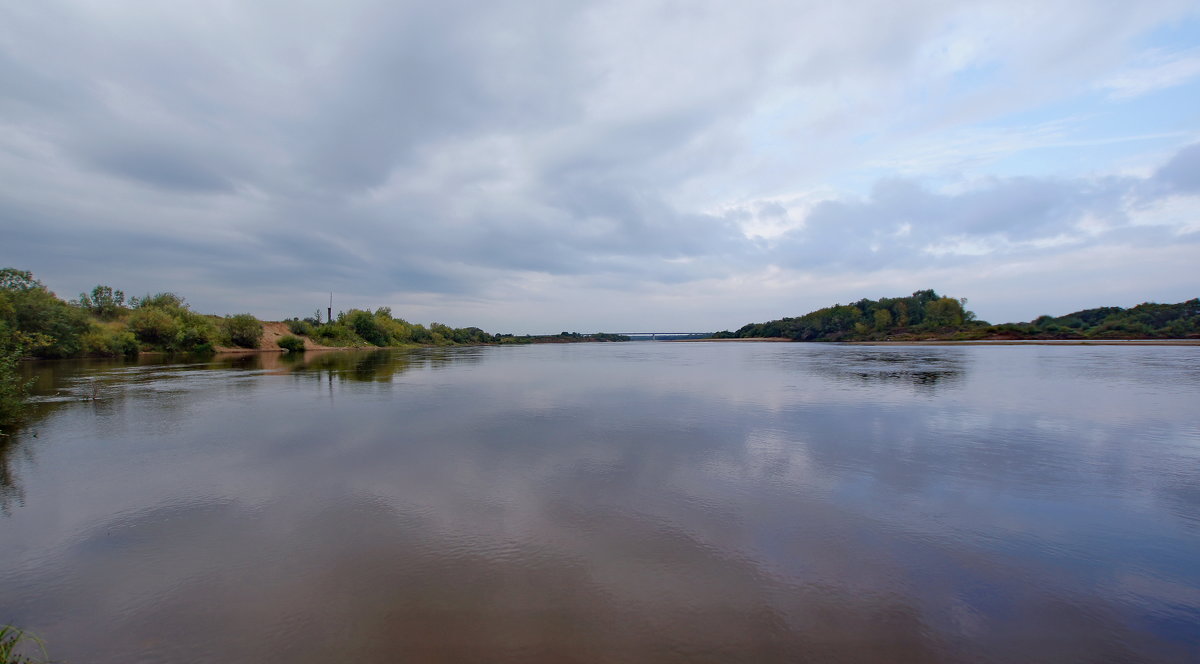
(613, 503)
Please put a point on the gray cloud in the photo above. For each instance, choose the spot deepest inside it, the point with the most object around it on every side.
(1182, 173)
(904, 223)
(389, 150)
(160, 166)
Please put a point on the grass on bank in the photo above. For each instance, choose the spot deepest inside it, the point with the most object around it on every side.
(16, 644)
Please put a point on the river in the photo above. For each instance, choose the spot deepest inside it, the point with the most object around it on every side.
(612, 502)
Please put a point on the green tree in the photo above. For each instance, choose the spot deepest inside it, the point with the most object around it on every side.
(104, 302)
(943, 312)
(242, 330)
(155, 326)
(367, 326)
(164, 321)
(883, 320)
(51, 327)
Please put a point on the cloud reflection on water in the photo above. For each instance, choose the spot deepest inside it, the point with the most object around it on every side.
(586, 504)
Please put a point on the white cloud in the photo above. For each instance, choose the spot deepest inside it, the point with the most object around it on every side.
(1153, 71)
(1180, 213)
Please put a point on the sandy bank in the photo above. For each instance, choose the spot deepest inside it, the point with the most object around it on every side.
(272, 332)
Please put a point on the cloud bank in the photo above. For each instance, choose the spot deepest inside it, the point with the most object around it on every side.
(541, 166)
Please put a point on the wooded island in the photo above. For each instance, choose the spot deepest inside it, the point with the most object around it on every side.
(925, 315)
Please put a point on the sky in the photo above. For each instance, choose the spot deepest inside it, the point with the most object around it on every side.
(534, 167)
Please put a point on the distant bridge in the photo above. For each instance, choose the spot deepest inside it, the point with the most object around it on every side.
(654, 336)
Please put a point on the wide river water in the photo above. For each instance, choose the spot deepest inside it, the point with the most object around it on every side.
(620, 502)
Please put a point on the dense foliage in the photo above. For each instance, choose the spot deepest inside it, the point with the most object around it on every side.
(165, 322)
(927, 315)
(568, 337)
(13, 388)
(35, 322)
(923, 311)
(290, 343)
(1145, 321)
(242, 330)
(47, 326)
(362, 327)
(104, 302)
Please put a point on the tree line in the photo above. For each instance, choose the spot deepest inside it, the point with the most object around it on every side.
(104, 323)
(923, 311)
(927, 315)
(34, 322)
(1149, 320)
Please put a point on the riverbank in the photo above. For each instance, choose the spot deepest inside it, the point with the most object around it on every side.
(272, 332)
(754, 339)
(983, 342)
(1036, 342)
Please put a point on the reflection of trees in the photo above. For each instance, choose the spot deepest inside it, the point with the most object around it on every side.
(171, 382)
(920, 368)
(376, 365)
(10, 488)
(245, 361)
(361, 366)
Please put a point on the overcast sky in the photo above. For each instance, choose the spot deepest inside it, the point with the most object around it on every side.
(621, 166)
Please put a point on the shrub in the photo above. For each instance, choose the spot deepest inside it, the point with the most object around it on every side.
(27, 308)
(242, 330)
(366, 326)
(161, 300)
(197, 333)
(338, 335)
(110, 343)
(154, 326)
(13, 388)
(291, 344)
(171, 326)
(300, 327)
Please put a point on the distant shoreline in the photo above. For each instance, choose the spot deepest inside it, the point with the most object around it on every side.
(755, 339)
(979, 342)
(1036, 342)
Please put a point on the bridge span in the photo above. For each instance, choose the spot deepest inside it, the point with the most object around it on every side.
(656, 336)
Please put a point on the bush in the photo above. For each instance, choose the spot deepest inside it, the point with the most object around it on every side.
(242, 330)
(171, 326)
(291, 344)
(300, 327)
(110, 343)
(13, 388)
(197, 333)
(155, 326)
(54, 328)
(161, 300)
(367, 326)
(337, 335)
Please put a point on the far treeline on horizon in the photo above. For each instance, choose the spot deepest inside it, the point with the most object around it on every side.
(35, 322)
